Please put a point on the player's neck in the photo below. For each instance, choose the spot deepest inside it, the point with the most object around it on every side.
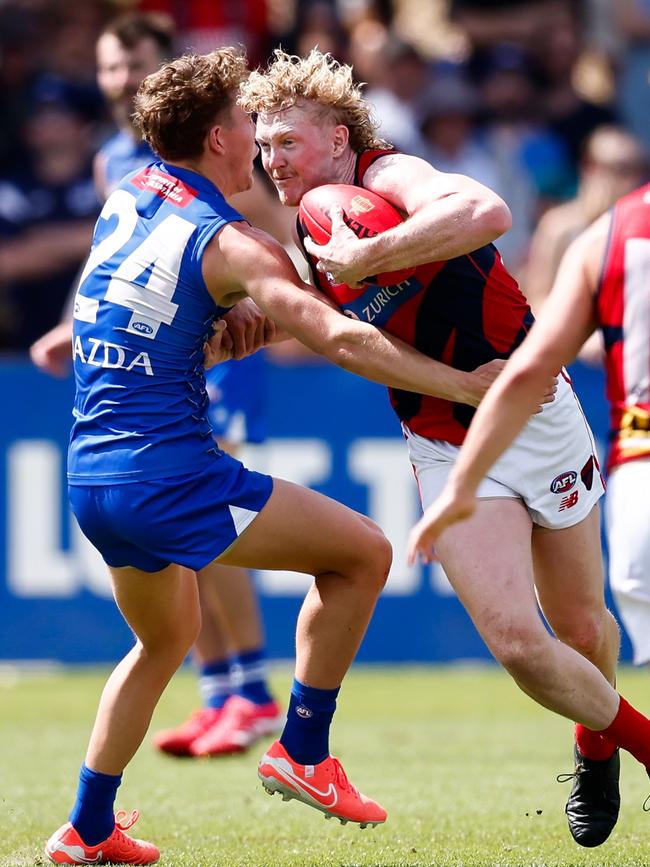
(346, 167)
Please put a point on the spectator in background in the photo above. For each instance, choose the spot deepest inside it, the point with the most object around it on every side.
(48, 208)
(16, 76)
(531, 162)
(556, 52)
(128, 49)
(549, 34)
(449, 130)
(633, 19)
(69, 31)
(203, 26)
(402, 79)
(489, 22)
(49, 44)
(317, 24)
(613, 164)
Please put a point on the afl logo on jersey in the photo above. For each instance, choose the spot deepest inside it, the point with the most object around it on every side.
(142, 327)
(564, 482)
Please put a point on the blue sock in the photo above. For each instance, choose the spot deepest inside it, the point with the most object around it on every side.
(92, 815)
(306, 733)
(249, 673)
(214, 683)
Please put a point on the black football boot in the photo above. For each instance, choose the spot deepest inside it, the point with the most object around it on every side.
(594, 802)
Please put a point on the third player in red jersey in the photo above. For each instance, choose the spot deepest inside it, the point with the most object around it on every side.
(623, 312)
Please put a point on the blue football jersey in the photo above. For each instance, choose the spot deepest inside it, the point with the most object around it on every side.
(141, 315)
(121, 155)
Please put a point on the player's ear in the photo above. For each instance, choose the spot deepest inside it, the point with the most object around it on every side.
(214, 140)
(340, 139)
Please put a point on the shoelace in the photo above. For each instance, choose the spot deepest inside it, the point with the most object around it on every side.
(124, 821)
(564, 778)
(341, 777)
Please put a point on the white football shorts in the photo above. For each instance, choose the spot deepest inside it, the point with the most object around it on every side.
(551, 466)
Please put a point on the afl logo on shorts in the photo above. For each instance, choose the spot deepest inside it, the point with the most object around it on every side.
(564, 482)
(304, 712)
(142, 327)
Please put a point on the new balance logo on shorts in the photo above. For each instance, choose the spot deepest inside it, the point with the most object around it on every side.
(569, 501)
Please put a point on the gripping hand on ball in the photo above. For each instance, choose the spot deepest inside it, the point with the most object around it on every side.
(342, 258)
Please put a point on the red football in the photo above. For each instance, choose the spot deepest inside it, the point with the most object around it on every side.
(366, 213)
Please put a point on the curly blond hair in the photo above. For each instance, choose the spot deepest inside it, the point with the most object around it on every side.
(318, 79)
(176, 106)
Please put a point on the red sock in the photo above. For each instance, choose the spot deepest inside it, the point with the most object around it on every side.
(630, 730)
(593, 745)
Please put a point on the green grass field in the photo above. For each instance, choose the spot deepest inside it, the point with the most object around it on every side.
(464, 763)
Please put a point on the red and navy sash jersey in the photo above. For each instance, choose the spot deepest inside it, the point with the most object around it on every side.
(623, 313)
(141, 315)
(463, 312)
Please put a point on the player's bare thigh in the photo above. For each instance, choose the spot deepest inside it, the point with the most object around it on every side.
(569, 568)
(158, 606)
(488, 561)
(304, 531)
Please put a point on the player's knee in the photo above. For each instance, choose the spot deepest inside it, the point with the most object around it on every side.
(519, 648)
(376, 556)
(385, 553)
(174, 642)
(588, 631)
(382, 556)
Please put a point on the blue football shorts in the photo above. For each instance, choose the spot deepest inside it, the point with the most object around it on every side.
(189, 519)
(237, 392)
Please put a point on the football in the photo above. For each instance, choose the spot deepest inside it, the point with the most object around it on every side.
(366, 213)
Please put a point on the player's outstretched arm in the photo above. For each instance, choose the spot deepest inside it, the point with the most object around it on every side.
(52, 353)
(446, 216)
(243, 260)
(565, 322)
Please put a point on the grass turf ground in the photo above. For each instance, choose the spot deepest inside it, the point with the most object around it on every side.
(464, 763)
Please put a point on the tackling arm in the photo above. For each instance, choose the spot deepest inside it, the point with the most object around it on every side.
(242, 258)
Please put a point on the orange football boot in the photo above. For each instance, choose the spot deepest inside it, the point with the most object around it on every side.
(65, 846)
(324, 786)
(241, 724)
(178, 741)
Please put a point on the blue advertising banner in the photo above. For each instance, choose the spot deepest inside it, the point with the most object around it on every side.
(327, 429)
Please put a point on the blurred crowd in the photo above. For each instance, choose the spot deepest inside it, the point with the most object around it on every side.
(545, 101)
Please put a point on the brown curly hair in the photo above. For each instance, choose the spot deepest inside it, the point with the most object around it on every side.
(318, 78)
(176, 106)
